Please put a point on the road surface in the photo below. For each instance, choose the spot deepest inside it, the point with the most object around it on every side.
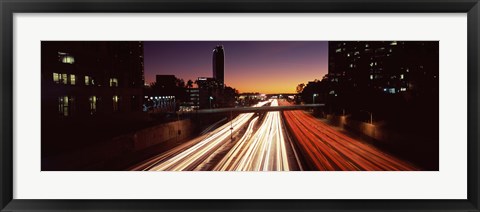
(327, 149)
(191, 155)
(264, 150)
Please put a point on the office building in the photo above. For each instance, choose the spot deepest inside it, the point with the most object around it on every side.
(388, 66)
(219, 65)
(91, 79)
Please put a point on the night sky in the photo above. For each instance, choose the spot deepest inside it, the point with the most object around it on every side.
(250, 66)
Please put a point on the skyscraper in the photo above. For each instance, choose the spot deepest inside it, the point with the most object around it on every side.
(218, 65)
(388, 66)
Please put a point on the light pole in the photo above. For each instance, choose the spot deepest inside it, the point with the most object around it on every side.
(210, 100)
(314, 95)
(371, 115)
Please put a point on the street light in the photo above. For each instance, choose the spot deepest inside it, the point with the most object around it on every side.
(210, 100)
(314, 95)
(371, 115)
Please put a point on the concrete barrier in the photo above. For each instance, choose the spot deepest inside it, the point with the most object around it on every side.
(367, 129)
(162, 133)
(94, 157)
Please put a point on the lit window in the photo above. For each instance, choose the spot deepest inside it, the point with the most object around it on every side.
(63, 79)
(68, 59)
(394, 43)
(366, 45)
(56, 78)
(88, 80)
(72, 79)
(371, 76)
(403, 89)
(351, 65)
(115, 103)
(338, 50)
(371, 64)
(113, 82)
(401, 76)
(93, 104)
(64, 103)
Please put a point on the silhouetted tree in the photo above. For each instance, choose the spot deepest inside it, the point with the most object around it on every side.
(300, 87)
(180, 83)
(189, 84)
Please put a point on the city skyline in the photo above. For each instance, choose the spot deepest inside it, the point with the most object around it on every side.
(250, 66)
(358, 117)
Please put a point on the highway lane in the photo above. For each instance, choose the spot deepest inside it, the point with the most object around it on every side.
(329, 149)
(188, 157)
(264, 150)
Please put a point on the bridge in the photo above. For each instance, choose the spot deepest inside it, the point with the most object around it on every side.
(252, 109)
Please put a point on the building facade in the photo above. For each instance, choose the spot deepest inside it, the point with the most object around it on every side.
(386, 78)
(209, 92)
(193, 100)
(388, 66)
(91, 79)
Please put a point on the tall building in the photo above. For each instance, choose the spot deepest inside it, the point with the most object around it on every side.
(219, 65)
(388, 66)
(90, 78)
(91, 91)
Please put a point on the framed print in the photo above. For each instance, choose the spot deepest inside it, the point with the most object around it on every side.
(256, 106)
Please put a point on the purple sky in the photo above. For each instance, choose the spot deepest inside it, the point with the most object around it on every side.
(250, 66)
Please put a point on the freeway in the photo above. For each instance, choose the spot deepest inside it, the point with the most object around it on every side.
(330, 150)
(264, 150)
(193, 153)
(265, 144)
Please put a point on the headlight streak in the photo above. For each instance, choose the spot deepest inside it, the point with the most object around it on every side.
(331, 150)
(189, 158)
(264, 151)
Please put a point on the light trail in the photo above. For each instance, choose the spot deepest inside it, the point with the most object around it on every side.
(187, 158)
(331, 150)
(263, 151)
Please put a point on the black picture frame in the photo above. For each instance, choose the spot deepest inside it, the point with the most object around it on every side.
(10, 7)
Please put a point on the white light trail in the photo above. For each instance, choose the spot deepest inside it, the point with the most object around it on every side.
(264, 151)
(191, 157)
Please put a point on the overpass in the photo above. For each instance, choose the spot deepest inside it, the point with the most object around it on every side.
(252, 109)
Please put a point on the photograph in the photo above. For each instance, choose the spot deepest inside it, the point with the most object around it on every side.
(240, 105)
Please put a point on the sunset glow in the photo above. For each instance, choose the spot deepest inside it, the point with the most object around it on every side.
(250, 66)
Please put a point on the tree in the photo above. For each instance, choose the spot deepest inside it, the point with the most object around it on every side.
(300, 87)
(189, 84)
(180, 83)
